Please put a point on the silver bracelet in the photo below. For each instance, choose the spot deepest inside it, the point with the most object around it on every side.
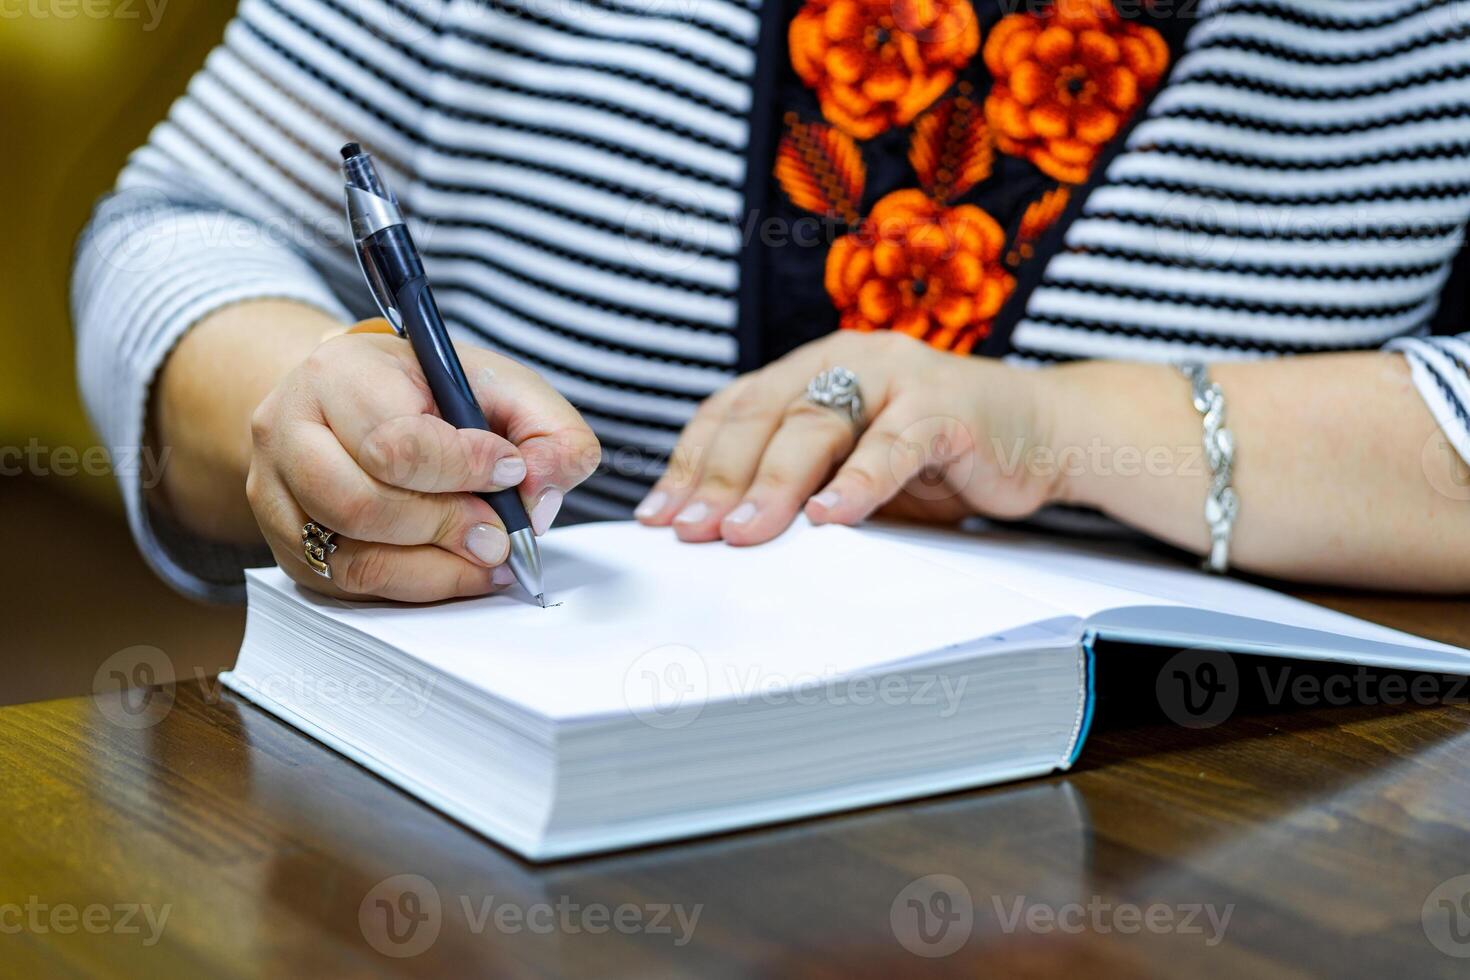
(1221, 505)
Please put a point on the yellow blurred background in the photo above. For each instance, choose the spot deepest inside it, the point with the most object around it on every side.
(81, 84)
(83, 81)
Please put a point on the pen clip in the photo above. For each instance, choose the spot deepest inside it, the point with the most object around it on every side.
(367, 214)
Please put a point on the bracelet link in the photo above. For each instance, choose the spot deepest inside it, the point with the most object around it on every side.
(1222, 505)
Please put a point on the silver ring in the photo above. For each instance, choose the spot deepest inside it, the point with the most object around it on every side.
(316, 544)
(837, 388)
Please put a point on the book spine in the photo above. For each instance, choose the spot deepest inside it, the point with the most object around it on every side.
(1088, 666)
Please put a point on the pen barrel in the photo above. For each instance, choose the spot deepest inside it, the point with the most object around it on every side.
(436, 356)
(452, 392)
(396, 275)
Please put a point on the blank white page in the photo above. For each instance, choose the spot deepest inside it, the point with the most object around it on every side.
(1091, 577)
(638, 618)
(1045, 570)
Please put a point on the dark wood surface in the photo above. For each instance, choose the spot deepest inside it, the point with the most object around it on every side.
(1323, 830)
(75, 591)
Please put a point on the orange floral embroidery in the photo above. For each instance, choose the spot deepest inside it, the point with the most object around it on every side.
(879, 63)
(951, 150)
(821, 169)
(1039, 215)
(1066, 80)
(923, 269)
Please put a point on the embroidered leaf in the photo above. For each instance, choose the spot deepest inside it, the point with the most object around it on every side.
(951, 149)
(821, 169)
(1039, 215)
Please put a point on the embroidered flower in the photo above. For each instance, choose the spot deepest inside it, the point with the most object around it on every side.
(1039, 215)
(923, 269)
(879, 63)
(1066, 80)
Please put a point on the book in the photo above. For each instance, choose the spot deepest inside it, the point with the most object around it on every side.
(672, 690)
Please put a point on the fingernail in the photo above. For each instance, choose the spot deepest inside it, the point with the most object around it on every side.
(545, 510)
(741, 514)
(652, 504)
(487, 543)
(503, 576)
(827, 499)
(508, 472)
(693, 514)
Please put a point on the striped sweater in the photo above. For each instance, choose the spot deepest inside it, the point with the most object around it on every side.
(581, 177)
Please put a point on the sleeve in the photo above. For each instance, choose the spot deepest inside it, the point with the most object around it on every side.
(1439, 359)
(1440, 368)
(237, 196)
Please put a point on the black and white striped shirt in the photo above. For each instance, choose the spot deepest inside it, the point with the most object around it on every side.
(577, 175)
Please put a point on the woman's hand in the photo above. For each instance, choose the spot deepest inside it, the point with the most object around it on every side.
(350, 440)
(945, 436)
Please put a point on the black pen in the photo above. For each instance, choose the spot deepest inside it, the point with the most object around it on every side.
(395, 274)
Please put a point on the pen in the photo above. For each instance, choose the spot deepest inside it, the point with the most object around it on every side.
(395, 273)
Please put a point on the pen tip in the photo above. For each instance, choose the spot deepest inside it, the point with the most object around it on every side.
(351, 150)
(541, 598)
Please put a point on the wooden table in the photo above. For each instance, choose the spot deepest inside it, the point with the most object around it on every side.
(1322, 832)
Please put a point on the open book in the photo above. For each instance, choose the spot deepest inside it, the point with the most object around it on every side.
(672, 690)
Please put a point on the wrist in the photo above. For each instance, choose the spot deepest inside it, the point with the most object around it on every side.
(1061, 395)
(1126, 441)
(1115, 427)
(202, 401)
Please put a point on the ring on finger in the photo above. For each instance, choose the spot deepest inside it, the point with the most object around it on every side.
(837, 388)
(317, 546)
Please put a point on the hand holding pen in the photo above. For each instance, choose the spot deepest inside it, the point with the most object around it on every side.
(395, 273)
(349, 442)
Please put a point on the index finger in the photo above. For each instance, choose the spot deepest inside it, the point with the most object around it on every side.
(559, 448)
(371, 394)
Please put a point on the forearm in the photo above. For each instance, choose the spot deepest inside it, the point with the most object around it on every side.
(1339, 467)
(202, 403)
